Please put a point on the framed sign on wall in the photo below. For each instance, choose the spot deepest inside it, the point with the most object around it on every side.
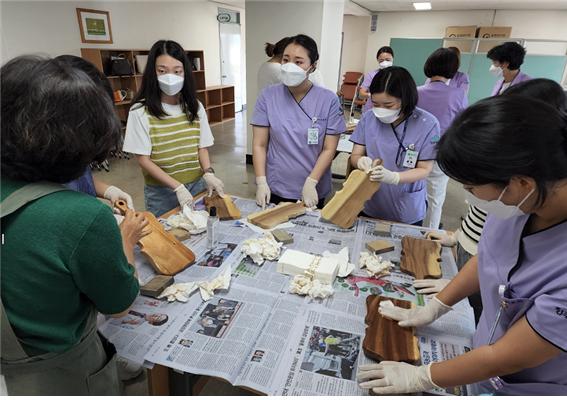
(94, 26)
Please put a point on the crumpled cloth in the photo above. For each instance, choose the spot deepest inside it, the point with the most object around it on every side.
(345, 268)
(194, 222)
(304, 286)
(263, 248)
(375, 265)
(182, 291)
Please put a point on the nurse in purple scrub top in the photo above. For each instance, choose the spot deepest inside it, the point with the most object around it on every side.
(404, 137)
(460, 79)
(385, 58)
(506, 61)
(296, 128)
(510, 153)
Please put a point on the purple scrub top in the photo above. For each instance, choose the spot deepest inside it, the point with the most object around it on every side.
(290, 159)
(460, 80)
(366, 85)
(534, 269)
(84, 183)
(443, 101)
(404, 202)
(521, 77)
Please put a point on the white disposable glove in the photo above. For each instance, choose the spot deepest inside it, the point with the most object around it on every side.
(392, 377)
(309, 194)
(213, 183)
(381, 174)
(447, 239)
(417, 316)
(263, 192)
(430, 286)
(184, 197)
(114, 194)
(364, 164)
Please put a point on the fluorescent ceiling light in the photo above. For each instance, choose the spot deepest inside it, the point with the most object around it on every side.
(422, 6)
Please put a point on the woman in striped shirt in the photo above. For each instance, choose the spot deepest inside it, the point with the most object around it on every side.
(168, 131)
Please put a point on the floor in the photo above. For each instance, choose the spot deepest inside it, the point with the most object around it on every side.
(228, 157)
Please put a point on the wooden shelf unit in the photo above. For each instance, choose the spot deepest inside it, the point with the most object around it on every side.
(217, 100)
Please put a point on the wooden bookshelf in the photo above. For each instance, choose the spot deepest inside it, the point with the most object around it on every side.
(217, 100)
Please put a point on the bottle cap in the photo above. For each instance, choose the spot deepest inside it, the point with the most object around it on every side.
(213, 212)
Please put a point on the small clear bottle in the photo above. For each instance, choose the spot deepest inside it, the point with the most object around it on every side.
(211, 228)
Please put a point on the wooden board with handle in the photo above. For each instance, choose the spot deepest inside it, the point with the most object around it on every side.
(385, 340)
(421, 258)
(226, 209)
(281, 213)
(167, 255)
(347, 203)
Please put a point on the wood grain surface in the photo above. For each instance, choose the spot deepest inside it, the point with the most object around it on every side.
(281, 213)
(421, 258)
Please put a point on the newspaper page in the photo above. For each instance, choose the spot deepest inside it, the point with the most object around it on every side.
(147, 320)
(216, 338)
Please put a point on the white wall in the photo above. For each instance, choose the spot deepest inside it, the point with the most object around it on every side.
(330, 55)
(51, 27)
(356, 31)
(431, 24)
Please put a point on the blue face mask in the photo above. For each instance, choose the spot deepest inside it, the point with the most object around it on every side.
(497, 207)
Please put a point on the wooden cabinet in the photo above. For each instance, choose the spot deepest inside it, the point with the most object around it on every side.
(217, 100)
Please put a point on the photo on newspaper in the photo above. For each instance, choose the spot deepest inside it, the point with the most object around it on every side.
(215, 257)
(216, 317)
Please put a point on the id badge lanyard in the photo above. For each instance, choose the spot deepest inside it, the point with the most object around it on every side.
(409, 151)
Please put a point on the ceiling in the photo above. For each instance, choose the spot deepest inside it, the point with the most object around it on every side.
(440, 5)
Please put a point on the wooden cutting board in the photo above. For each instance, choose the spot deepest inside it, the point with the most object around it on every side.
(385, 340)
(167, 255)
(226, 209)
(347, 203)
(281, 213)
(421, 258)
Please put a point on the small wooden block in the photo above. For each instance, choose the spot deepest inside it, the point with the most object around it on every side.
(226, 209)
(383, 229)
(157, 285)
(180, 234)
(281, 213)
(380, 246)
(385, 340)
(282, 236)
(421, 258)
(347, 203)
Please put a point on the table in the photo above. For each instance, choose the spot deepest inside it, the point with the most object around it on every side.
(258, 336)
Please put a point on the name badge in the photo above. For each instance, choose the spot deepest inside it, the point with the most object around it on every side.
(410, 158)
(313, 136)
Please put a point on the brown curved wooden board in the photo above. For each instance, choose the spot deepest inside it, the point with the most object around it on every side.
(226, 209)
(279, 214)
(421, 258)
(385, 340)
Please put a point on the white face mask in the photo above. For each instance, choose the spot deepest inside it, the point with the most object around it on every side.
(292, 74)
(385, 64)
(448, 82)
(170, 84)
(497, 207)
(496, 71)
(386, 115)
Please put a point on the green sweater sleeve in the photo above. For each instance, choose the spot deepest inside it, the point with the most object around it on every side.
(100, 268)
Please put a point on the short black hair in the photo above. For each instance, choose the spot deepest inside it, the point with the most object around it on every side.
(55, 120)
(308, 44)
(276, 50)
(397, 82)
(542, 89)
(457, 51)
(150, 93)
(502, 137)
(384, 49)
(93, 72)
(442, 62)
(510, 52)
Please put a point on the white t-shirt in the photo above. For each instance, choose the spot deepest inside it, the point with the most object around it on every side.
(137, 138)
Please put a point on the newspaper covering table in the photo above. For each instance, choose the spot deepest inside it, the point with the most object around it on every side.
(257, 335)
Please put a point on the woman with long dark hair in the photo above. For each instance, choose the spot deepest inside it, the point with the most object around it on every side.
(168, 131)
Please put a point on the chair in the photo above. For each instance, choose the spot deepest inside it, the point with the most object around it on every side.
(349, 90)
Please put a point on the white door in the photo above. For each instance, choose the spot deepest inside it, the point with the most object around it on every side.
(230, 60)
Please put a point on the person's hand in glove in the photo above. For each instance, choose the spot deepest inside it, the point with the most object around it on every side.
(384, 175)
(430, 286)
(364, 164)
(447, 239)
(114, 194)
(263, 192)
(184, 197)
(417, 316)
(392, 377)
(309, 195)
(213, 184)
